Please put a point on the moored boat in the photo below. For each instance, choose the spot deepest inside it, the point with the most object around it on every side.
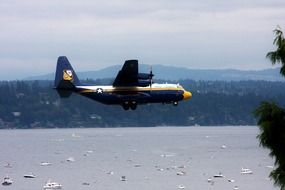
(7, 181)
(29, 176)
(246, 171)
(52, 185)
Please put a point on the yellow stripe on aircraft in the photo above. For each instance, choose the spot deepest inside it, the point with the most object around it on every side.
(131, 89)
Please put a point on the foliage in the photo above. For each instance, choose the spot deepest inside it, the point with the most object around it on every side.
(272, 118)
(278, 56)
(272, 135)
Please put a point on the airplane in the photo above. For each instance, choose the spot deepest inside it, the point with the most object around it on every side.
(129, 89)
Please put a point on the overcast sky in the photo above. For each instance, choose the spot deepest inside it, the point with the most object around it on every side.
(95, 34)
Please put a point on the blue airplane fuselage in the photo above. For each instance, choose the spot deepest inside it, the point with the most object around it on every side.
(141, 95)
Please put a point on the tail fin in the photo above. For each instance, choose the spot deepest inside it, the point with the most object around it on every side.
(66, 79)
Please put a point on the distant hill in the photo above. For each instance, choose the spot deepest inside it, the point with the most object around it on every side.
(178, 73)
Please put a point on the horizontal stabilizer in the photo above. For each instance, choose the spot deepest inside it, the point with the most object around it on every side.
(64, 93)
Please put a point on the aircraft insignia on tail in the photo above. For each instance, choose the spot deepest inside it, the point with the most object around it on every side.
(67, 75)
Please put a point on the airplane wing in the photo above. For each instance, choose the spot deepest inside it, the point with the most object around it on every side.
(128, 75)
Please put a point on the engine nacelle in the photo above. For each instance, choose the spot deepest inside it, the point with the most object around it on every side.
(144, 76)
(144, 83)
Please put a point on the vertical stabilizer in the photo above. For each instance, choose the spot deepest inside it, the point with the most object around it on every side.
(66, 79)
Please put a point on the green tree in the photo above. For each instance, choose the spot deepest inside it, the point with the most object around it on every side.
(278, 56)
(272, 118)
(272, 135)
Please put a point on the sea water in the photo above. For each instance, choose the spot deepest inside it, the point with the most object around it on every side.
(163, 158)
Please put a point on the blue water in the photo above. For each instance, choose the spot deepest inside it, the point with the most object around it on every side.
(149, 158)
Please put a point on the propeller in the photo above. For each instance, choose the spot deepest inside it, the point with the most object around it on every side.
(150, 76)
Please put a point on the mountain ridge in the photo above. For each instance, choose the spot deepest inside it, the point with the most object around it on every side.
(179, 73)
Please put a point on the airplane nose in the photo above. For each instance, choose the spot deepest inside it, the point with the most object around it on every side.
(186, 95)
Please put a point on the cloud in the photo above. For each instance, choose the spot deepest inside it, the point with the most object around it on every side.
(97, 34)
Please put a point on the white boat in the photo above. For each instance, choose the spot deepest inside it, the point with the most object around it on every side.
(219, 175)
(45, 163)
(75, 135)
(181, 187)
(8, 165)
(123, 178)
(7, 181)
(89, 151)
(29, 176)
(110, 173)
(246, 171)
(70, 159)
(211, 181)
(231, 180)
(181, 173)
(270, 167)
(52, 185)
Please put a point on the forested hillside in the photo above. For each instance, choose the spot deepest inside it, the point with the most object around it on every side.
(34, 104)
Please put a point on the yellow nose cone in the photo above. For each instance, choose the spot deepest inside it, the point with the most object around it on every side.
(186, 95)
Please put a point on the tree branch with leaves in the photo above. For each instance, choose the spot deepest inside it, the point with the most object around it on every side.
(278, 56)
(271, 118)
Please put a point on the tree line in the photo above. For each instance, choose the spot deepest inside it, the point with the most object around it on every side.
(35, 104)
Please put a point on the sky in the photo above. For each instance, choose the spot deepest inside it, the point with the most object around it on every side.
(96, 34)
